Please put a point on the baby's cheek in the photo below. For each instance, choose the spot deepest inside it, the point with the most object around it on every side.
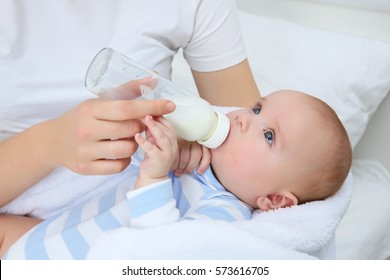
(246, 150)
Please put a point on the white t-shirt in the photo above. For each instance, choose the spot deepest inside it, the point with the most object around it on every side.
(46, 47)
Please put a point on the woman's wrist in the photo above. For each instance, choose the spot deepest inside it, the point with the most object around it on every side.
(44, 145)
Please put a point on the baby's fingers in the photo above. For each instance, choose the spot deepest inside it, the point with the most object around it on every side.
(205, 161)
(161, 131)
(194, 158)
(148, 147)
(164, 122)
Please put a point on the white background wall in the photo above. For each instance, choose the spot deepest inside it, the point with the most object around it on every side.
(376, 5)
(322, 14)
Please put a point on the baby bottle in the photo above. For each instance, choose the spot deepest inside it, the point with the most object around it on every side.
(114, 76)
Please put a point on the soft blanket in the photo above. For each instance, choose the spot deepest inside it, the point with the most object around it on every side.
(300, 232)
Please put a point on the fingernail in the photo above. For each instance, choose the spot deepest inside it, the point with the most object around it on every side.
(170, 106)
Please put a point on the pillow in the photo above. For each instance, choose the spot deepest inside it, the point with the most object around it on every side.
(350, 73)
(364, 231)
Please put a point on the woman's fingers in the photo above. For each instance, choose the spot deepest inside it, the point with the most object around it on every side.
(120, 110)
(88, 138)
(106, 130)
(102, 166)
(104, 157)
(113, 149)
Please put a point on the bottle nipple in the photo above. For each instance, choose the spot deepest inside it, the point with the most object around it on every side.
(219, 134)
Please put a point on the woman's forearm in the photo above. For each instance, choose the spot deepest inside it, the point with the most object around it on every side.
(24, 161)
(234, 86)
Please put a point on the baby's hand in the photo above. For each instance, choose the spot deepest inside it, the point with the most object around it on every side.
(191, 155)
(160, 147)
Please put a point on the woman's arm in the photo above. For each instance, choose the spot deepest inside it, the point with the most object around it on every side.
(79, 140)
(234, 86)
(23, 162)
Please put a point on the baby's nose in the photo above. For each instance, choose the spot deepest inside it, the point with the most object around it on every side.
(244, 120)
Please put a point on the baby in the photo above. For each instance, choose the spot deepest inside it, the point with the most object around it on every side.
(288, 149)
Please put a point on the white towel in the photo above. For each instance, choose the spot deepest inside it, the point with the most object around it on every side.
(300, 232)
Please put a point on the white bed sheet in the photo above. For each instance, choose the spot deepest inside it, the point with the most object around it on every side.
(364, 232)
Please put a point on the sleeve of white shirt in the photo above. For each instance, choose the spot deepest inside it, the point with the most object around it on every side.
(153, 205)
(216, 42)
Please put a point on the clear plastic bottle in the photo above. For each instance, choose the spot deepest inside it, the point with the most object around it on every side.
(115, 76)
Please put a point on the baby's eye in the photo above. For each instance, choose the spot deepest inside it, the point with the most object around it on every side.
(256, 109)
(269, 137)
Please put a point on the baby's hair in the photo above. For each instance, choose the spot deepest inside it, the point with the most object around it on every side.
(336, 162)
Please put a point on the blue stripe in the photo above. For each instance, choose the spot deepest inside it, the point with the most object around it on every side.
(208, 180)
(73, 239)
(107, 200)
(217, 213)
(151, 199)
(136, 158)
(246, 211)
(76, 243)
(105, 220)
(182, 202)
(35, 247)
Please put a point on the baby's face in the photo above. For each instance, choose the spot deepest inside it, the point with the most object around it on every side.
(270, 147)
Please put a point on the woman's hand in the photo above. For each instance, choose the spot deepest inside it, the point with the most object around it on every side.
(79, 140)
(97, 137)
(160, 148)
(190, 156)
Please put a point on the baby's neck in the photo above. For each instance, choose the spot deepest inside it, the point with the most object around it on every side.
(215, 174)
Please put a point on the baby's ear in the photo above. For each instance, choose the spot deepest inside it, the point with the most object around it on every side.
(276, 200)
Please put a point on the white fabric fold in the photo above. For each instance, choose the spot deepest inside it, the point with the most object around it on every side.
(300, 232)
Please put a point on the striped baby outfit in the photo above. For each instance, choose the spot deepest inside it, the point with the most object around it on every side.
(71, 234)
